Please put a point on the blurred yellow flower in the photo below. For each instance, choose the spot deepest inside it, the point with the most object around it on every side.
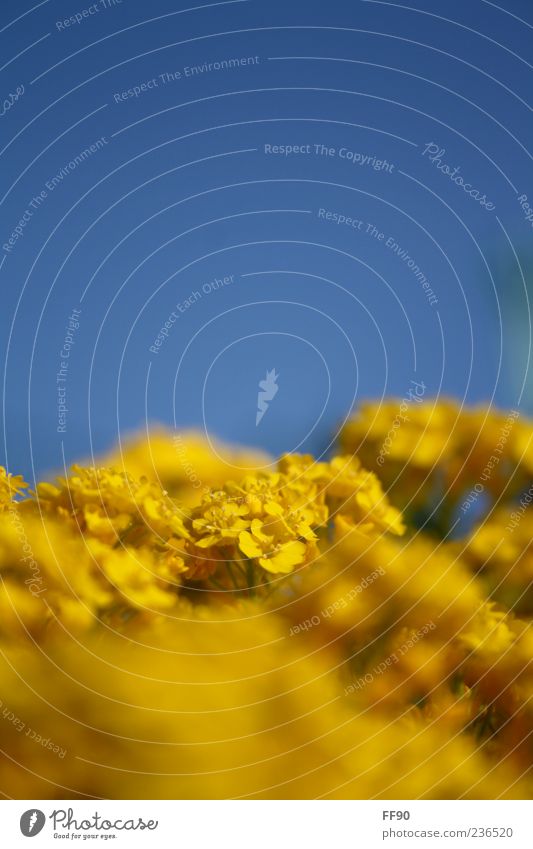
(178, 625)
(439, 458)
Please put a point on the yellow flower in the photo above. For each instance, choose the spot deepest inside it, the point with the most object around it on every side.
(220, 704)
(353, 495)
(273, 554)
(10, 487)
(219, 520)
(419, 434)
(269, 518)
(434, 456)
(162, 626)
(500, 553)
(106, 504)
(145, 578)
(488, 630)
(53, 575)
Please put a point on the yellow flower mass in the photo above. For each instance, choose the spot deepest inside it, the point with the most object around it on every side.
(192, 621)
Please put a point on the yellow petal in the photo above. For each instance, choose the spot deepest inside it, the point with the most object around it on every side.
(291, 554)
(248, 545)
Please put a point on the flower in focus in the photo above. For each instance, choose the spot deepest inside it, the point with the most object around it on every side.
(10, 487)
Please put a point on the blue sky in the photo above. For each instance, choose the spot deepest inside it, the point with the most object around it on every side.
(338, 191)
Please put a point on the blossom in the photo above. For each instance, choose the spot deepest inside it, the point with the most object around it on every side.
(434, 456)
(500, 554)
(10, 487)
(285, 629)
(145, 578)
(219, 520)
(271, 550)
(219, 704)
(350, 491)
(107, 504)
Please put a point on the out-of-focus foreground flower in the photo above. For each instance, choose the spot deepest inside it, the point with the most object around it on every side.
(178, 625)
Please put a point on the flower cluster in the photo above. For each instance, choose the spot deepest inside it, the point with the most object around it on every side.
(440, 460)
(273, 519)
(500, 553)
(136, 548)
(280, 630)
(10, 488)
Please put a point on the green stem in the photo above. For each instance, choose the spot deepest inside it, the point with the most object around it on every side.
(250, 577)
(232, 575)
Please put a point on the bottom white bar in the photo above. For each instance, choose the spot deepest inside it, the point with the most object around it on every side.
(269, 824)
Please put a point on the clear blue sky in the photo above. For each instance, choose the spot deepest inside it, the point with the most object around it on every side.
(331, 190)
